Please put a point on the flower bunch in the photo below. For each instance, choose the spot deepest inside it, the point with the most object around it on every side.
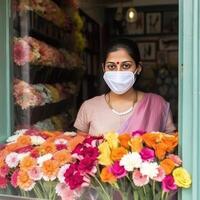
(28, 95)
(30, 50)
(33, 160)
(47, 9)
(146, 161)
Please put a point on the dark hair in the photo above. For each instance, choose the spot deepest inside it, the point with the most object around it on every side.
(129, 45)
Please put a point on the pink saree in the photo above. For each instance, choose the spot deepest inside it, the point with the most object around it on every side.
(150, 114)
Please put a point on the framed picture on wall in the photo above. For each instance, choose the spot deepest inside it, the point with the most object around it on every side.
(162, 58)
(136, 28)
(147, 50)
(170, 22)
(153, 23)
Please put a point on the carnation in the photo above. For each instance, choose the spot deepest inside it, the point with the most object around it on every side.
(131, 161)
(150, 169)
(12, 160)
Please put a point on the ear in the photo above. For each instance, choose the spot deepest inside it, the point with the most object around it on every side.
(102, 66)
(140, 67)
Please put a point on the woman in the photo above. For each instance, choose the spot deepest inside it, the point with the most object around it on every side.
(123, 108)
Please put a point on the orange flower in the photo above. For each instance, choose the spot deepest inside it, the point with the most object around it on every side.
(171, 141)
(3, 154)
(28, 163)
(24, 181)
(24, 140)
(117, 153)
(62, 157)
(168, 165)
(12, 147)
(107, 176)
(75, 141)
(160, 150)
(151, 139)
(124, 139)
(136, 143)
(47, 147)
(50, 168)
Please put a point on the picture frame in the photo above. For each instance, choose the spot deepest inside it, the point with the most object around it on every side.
(136, 28)
(168, 44)
(170, 22)
(153, 23)
(162, 58)
(147, 50)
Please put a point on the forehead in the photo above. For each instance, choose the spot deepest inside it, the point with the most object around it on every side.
(119, 56)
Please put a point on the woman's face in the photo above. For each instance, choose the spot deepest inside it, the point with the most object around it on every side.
(120, 60)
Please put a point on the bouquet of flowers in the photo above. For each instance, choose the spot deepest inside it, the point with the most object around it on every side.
(28, 50)
(126, 166)
(31, 95)
(47, 9)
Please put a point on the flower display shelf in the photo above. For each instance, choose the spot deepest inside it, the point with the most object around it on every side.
(39, 113)
(30, 23)
(43, 74)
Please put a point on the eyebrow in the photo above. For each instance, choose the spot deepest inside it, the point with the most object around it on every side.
(121, 62)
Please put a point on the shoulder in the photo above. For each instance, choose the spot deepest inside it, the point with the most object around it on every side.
(155, 99)
(94, 102)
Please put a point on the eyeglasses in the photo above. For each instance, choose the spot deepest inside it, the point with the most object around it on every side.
(126, 65)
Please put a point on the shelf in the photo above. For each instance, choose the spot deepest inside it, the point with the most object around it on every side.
(36, 26)
(33, 115)
(43, 74)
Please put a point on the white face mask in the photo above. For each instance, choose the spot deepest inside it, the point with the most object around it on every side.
(119, 81)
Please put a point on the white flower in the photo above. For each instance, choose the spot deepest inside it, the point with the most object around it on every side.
(35, 173)
(61, 173)
(12, 159)
(49, 178)
(37, 140)
(70, 133)
(150, 169)
(21, 156)
(131, 161)
(60, 141)
(18, 133)
(43, 158)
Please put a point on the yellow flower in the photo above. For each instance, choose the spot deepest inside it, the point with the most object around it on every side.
(104, 157)
(112, 139)
(182, 177)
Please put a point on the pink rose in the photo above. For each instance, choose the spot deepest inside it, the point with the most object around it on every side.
(147, 154)
(168, 183)
(118, 170)
(175, 158)
(138, 179)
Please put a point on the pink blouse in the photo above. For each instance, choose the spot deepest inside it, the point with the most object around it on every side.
(151, 113)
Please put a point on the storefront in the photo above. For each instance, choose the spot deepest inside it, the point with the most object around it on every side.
(188, 104)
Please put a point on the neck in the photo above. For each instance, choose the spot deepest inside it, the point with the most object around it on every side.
(126, 96)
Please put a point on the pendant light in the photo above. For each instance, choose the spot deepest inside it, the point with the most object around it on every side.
(131, 14)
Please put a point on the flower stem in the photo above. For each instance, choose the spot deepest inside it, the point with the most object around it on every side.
(107, 196)
(154, 189)
(163, 195)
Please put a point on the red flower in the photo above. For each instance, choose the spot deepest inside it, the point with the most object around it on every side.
(86, 165)
(70, 172)
(14, 176)
(3, 182)
(75, 181)
(24, 149)
(4, 171)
